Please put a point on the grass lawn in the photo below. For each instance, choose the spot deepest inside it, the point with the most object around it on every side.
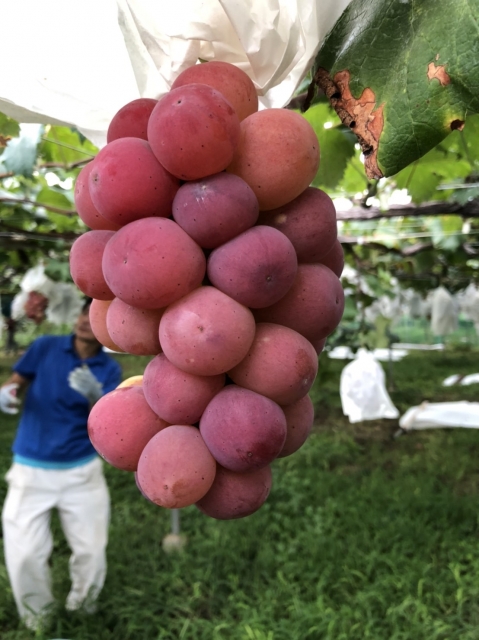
(362, 537)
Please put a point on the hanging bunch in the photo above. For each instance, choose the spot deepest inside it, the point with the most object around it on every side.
(208, 250)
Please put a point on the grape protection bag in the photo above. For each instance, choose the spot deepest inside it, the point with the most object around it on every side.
(363, 390)
(137, 48)
(41, 297)
(443, 312)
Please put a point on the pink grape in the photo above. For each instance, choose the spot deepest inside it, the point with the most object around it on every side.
(281, 364)
(152, 262)
(128, 183)
(131, 121)
(334, 260)
(175, 468)
(84, 205)
(299, 421)
(236, 495)
(309, 221)
(319, 345)
(193, 131)
(215, 209)
(98, 312)
(313, 306)
(121, 424)
(177, 396)
(243, 429)
(233, 83)
(134, 330)
(206, 332)
(278, 156)
(86, 255)
(256, 268)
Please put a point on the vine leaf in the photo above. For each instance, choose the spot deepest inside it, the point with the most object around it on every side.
(336, 146)
(402, 75)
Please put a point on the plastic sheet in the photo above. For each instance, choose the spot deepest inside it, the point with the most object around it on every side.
(434, 415)
(363, 390)
(90, 58)
(456, 378)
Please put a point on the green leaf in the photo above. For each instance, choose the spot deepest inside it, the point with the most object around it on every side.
(423, 177)
(354, 181)
(65, 146)
(446, 232)
(406, 73)
(58, 270)
(465, 143)
(54, 198)
(8, 128)
(336, 146)
(464, 195)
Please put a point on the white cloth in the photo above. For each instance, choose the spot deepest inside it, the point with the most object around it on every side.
(363, 390)
(472, 378)
(443, 312)
(430, 415)
(81, 496)
(8, 398)
(137, 48)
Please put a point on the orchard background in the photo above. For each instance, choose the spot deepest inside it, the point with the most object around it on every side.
(363, 535)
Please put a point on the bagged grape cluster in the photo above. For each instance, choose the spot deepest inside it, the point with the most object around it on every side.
(210, 252)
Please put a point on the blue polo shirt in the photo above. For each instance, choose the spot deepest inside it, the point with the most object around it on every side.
(52, 432)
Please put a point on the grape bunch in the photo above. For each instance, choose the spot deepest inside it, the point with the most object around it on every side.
(209, 251)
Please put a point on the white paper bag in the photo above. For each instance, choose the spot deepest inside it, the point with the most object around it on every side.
(443, 313)
(78, 62)
(363, 390)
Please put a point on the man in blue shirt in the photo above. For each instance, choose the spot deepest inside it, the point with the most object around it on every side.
(56, 466)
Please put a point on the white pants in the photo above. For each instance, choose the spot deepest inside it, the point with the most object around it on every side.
(81, 497)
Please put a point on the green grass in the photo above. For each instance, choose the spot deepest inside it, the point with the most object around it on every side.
(363, 536)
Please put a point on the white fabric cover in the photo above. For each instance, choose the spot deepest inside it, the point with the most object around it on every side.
(430, 415)
(64, 299)
(472, 378)
(78, 62)
(413, 304)
(363, 390)
(469, 303)
(443, 312)
(81, 497)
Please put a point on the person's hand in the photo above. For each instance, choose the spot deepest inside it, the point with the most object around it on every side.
(82, 380)
(8, 398)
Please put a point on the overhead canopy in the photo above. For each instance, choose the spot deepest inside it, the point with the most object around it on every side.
(78, 62)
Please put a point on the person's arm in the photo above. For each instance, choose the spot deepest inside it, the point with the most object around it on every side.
(16, 378)
(9, 392)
